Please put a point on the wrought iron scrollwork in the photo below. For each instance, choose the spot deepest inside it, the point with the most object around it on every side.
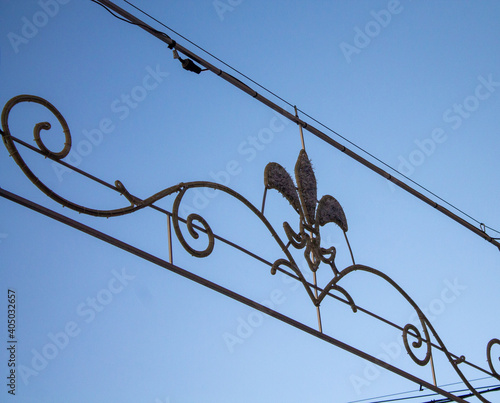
(313, 215)
(416, 344)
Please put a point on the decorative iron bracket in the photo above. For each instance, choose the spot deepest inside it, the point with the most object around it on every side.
(313, 215)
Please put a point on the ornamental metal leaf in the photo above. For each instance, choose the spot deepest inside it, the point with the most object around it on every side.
(306, 184)
(330, 210)
(276, 177)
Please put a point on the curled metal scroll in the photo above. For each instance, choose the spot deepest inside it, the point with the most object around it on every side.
(417, 344)
(313, 215)
(488, 354)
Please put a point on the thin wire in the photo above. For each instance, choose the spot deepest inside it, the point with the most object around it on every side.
(445, 400)
(128, 21)
(384, 396)
(112, 13)
(441, 400)
(315, 120)
(414, 391)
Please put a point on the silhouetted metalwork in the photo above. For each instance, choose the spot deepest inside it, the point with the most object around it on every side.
(313, 215)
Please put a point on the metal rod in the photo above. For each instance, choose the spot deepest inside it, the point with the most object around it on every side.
(313, 130)
(300, 128)
(349, 246)
(218, 288)
(318, 312)
(433, 370)
(169, 231)
(264, 200)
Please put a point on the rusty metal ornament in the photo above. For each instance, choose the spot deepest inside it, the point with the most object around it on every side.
(313, 215)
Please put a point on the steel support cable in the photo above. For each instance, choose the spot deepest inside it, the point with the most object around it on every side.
(222, 290)
(313, 130)
(400, 399)
(236, 246)
(309, 116)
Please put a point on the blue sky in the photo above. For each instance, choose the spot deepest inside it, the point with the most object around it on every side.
(416, 84)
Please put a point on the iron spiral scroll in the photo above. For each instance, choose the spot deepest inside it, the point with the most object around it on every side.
(313, 215)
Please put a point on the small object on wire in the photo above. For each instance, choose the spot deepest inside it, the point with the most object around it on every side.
(188, 64)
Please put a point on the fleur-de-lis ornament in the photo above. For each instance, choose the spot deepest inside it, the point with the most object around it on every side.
(313, 214)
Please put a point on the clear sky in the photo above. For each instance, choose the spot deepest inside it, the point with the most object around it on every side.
(417, 84)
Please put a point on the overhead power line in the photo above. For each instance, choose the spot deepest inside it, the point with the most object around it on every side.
(481, 230)
(418, 395)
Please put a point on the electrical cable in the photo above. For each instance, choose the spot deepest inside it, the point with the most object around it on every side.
(208, 53)
(383, 396)
(435, 394)
(427, 395)
(481, 225)
(128, 21)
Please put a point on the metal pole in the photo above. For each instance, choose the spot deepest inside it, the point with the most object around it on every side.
(169, 230)
(318, 312)
(264, 200)
(301, 132)
(349, 246)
